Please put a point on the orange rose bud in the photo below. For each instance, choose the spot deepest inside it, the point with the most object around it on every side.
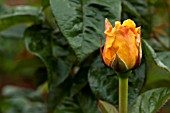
(122, 50)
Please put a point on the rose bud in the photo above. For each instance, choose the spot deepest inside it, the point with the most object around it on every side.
(122, 48)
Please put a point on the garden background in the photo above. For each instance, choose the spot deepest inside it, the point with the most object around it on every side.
(50, 59)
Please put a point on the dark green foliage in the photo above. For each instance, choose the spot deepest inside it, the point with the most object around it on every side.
(151, 101)
(82, 22)
(64, 37)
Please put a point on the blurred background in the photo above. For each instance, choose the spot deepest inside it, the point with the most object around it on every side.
(23, 87)
(23, 76)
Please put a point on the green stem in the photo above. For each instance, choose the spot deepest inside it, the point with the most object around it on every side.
(123, 92)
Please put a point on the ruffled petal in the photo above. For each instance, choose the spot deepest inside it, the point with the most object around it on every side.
(128, 51)
(129, 23)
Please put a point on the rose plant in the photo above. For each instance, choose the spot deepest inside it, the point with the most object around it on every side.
(133, 74)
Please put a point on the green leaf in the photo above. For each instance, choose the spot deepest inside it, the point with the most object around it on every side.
(136, 81)
(157, 74)
(164, 57)
(87, 101)
(103, 82)
(130, 8)
(83, 102)
(58, 95)
(79, 81)
(54, 51)
(150, 101)
(20, 15)
(82, 22)
(39, 42)
(68, 105)
(106, 107)
(49, 17)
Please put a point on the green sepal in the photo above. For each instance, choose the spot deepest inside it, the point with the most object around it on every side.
(119, 65)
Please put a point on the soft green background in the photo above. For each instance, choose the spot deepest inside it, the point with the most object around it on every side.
(50, 59)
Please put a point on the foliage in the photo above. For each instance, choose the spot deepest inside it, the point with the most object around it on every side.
(63, 37)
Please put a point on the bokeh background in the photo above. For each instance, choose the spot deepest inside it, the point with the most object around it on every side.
(23, 87)
(23, 76)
